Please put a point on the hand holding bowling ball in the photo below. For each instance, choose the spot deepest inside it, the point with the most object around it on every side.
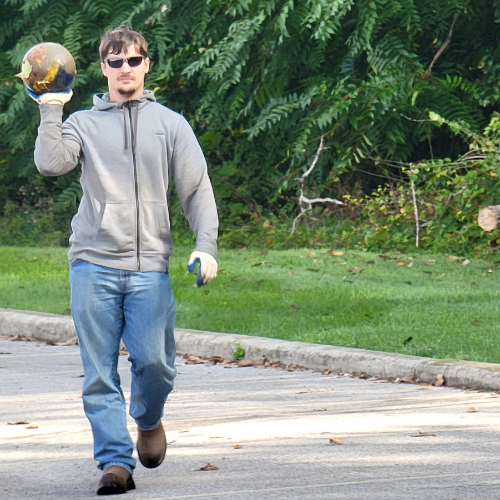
(48, 70)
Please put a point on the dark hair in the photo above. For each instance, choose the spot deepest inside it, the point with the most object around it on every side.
(116, 41)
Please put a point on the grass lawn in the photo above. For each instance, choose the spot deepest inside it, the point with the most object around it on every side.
(425, 305)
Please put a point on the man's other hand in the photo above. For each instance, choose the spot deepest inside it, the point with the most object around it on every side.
(208, 267)
(60, 98)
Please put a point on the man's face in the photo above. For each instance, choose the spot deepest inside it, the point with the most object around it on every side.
(127, 82)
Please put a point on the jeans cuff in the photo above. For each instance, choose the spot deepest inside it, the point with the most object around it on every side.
(149, 427)
(121, 464)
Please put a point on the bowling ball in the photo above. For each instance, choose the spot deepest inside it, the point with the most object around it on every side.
(48, 67)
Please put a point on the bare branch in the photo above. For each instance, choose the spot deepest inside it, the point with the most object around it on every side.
(305, 203)
(252, 205)
(316, 158)
(417, 222)
(320, 200)
(427, 74)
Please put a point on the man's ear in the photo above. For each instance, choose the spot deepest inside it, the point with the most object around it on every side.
(103, 69)
(146, 63)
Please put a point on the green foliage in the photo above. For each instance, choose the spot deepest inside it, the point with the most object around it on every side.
(238, 351)
(448, 194)
(261, 80)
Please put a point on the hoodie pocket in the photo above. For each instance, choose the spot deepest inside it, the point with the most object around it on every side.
(116, 231)
(155, 227)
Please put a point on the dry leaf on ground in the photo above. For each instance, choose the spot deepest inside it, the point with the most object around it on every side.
(216, 359)
(34, 426)
(466, 262)
(19, 422)
(193, 360)
(209, 466)
(495, 395)
(16, 338)
(409, 378)
(471, 410)
(238, 446)
(243, 363)
(336, 441)
(439, 380)
(423, 434)
(355, 270)
(326, 371)
(454, 257)
(71, 341)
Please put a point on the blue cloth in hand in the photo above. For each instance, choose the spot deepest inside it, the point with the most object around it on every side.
(199, 278)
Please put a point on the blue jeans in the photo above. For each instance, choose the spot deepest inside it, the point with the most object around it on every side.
(109, 305)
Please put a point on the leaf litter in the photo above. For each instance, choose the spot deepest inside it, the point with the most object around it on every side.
(423, 434)
(334, 442)
(208, 466)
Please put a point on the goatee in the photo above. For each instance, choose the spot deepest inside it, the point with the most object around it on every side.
(126, 93)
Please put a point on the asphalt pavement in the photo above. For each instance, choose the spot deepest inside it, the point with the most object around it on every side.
(270, 433)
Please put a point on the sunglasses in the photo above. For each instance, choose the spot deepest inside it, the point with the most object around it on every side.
(117, 62)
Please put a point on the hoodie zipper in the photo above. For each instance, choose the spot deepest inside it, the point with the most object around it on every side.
(136, 190)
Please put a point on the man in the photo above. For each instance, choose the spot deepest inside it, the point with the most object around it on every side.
(130, 149)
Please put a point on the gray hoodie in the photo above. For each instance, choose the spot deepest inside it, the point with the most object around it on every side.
(129, 152)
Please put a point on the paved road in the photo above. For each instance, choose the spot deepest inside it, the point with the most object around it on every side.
(282, 420)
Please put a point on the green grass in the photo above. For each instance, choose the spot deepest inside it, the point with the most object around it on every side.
(436, 307)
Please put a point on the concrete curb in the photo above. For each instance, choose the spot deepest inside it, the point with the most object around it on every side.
(482, 376)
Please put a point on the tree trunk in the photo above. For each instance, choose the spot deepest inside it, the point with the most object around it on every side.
(489, 218)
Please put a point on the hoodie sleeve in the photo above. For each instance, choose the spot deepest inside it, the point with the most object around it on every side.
(193, 186)
(58, 146)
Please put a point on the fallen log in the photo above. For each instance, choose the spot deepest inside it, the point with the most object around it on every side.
(489, 218)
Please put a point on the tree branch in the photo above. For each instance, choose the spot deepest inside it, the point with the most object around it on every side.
(252, 205)
(305, 203)
(428, 73)
(415, 207)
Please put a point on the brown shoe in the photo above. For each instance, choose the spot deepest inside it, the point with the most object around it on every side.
(152, 446)
(115, 480)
